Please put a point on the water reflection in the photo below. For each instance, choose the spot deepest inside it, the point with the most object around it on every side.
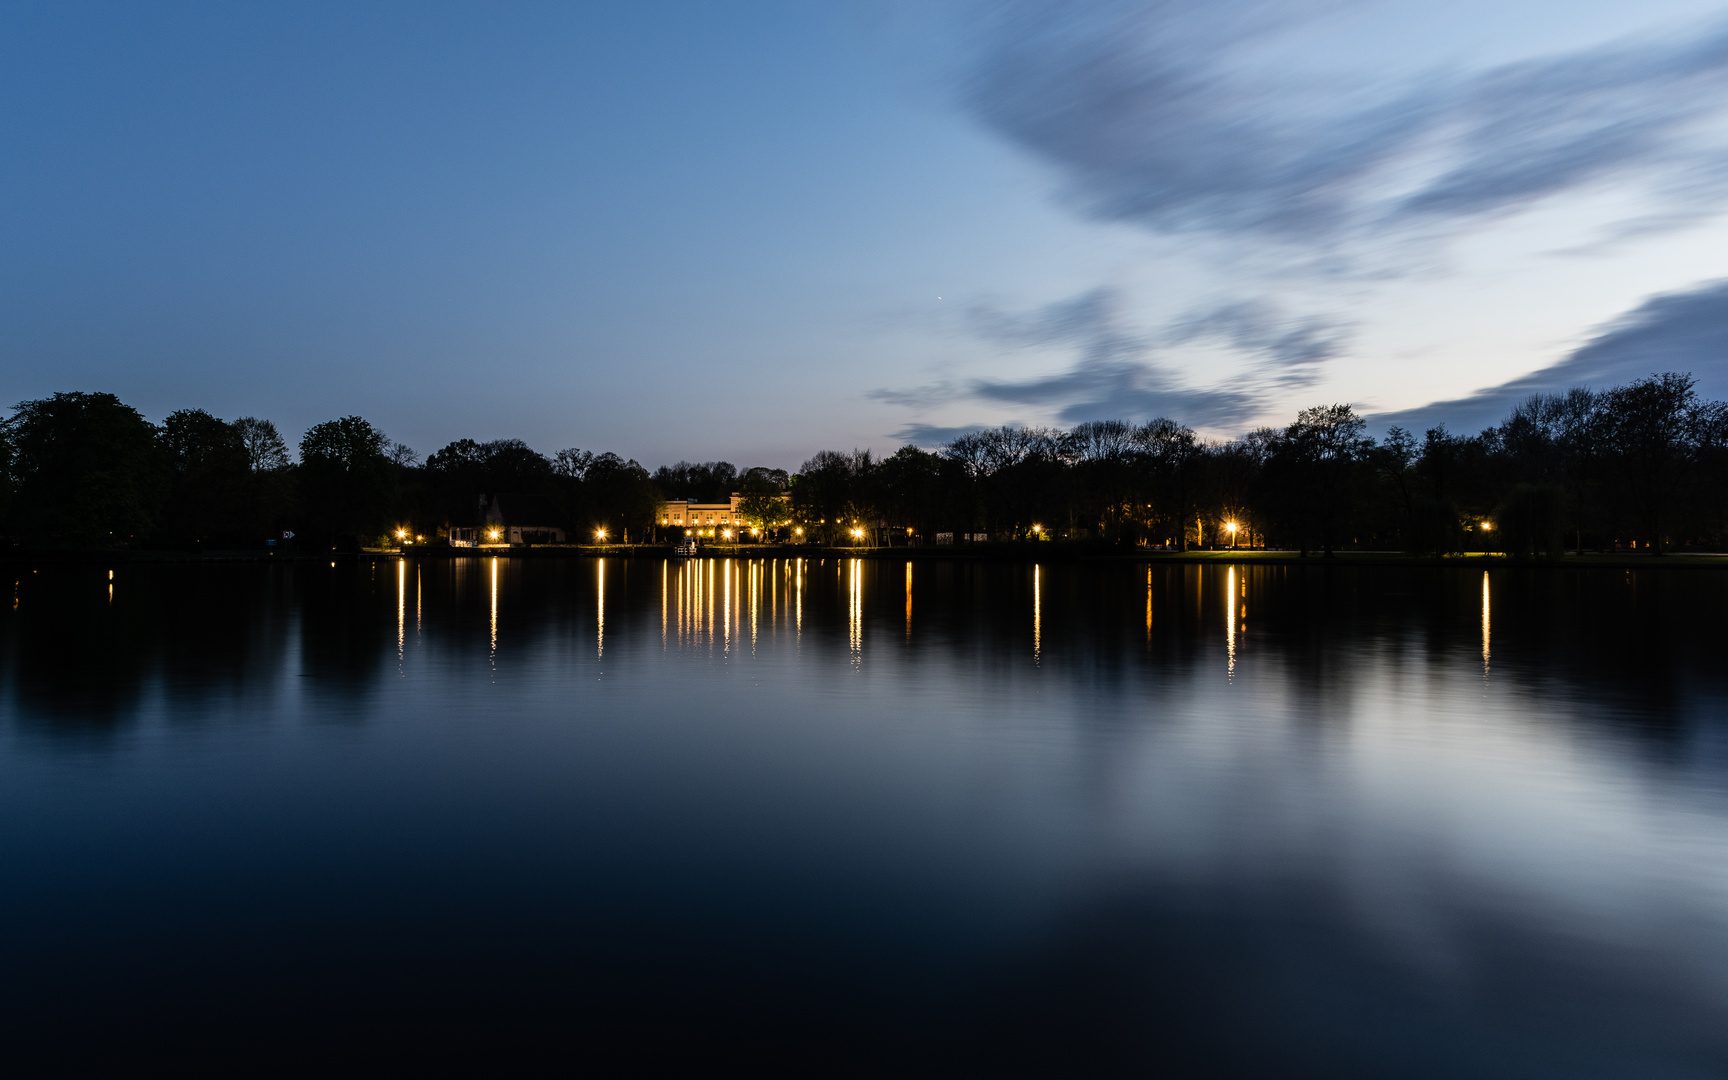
(1037, 614)
(1486, 635)
(908, 601)
(855, 609)
(401, 611)
(1364, 860)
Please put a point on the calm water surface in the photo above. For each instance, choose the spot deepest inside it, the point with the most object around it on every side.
(866, 817)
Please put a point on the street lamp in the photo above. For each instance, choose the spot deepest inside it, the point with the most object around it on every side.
(726, 533)
(600, 534)
(1232, 527)
(493, 534)
(401, 534)
(1037, 530)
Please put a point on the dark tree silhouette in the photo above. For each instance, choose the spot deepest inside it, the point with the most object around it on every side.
(84, 471)
(347, 483)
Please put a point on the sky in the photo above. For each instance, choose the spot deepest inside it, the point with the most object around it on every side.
(751, 231)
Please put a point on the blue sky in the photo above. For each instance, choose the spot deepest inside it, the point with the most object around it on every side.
(754, 230)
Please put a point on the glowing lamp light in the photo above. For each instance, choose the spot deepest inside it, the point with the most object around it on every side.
(1037, 528)
(599, 534)
(493, 534)
(727, 534)
(798, 532)
(1231, 526)
(401, 534)
(857, 532)
(1487, 526)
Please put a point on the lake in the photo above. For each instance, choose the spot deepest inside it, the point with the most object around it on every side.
(865, 817)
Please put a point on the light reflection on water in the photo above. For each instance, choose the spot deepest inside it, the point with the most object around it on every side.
(1021, 815)
(1487, 636)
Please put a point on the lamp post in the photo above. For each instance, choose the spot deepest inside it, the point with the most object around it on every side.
(1232, 527)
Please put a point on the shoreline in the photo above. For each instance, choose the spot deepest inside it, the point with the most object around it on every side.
(1031, 552)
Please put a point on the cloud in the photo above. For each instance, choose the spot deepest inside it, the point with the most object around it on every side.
(1168, 115)
(1289, 351)
(1123, 390)
(931, 436)
(1683, 331)
(917, 397)
(1118, 373)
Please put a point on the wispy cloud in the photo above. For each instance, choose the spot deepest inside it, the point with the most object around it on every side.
(1288, 351)
(1682, 331)
(1119, 372)
(933, 435)
(1153, 117)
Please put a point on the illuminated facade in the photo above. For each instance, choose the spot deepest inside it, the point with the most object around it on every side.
(690, 514)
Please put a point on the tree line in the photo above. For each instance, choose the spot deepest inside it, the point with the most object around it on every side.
(1642, 466)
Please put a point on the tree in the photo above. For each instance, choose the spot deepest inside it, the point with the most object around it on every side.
(764, 504)
(210, 492)
(85, 470)
(1168, 454)
(710, 482)
(571, 464)
(1100, 455)
(273, 482)
(1657, 427)
(622, 496)
(348, 483)
(777, 477)
(457, 475)
(265, 450)
(910, 485)
(1318, 455)
(832, 492)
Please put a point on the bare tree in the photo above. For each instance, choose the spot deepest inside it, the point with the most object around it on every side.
(264, 446)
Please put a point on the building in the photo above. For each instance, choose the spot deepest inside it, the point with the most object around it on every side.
(513, 519)
(710, 518)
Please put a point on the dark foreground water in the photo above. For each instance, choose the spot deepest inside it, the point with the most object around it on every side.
(864, 818)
